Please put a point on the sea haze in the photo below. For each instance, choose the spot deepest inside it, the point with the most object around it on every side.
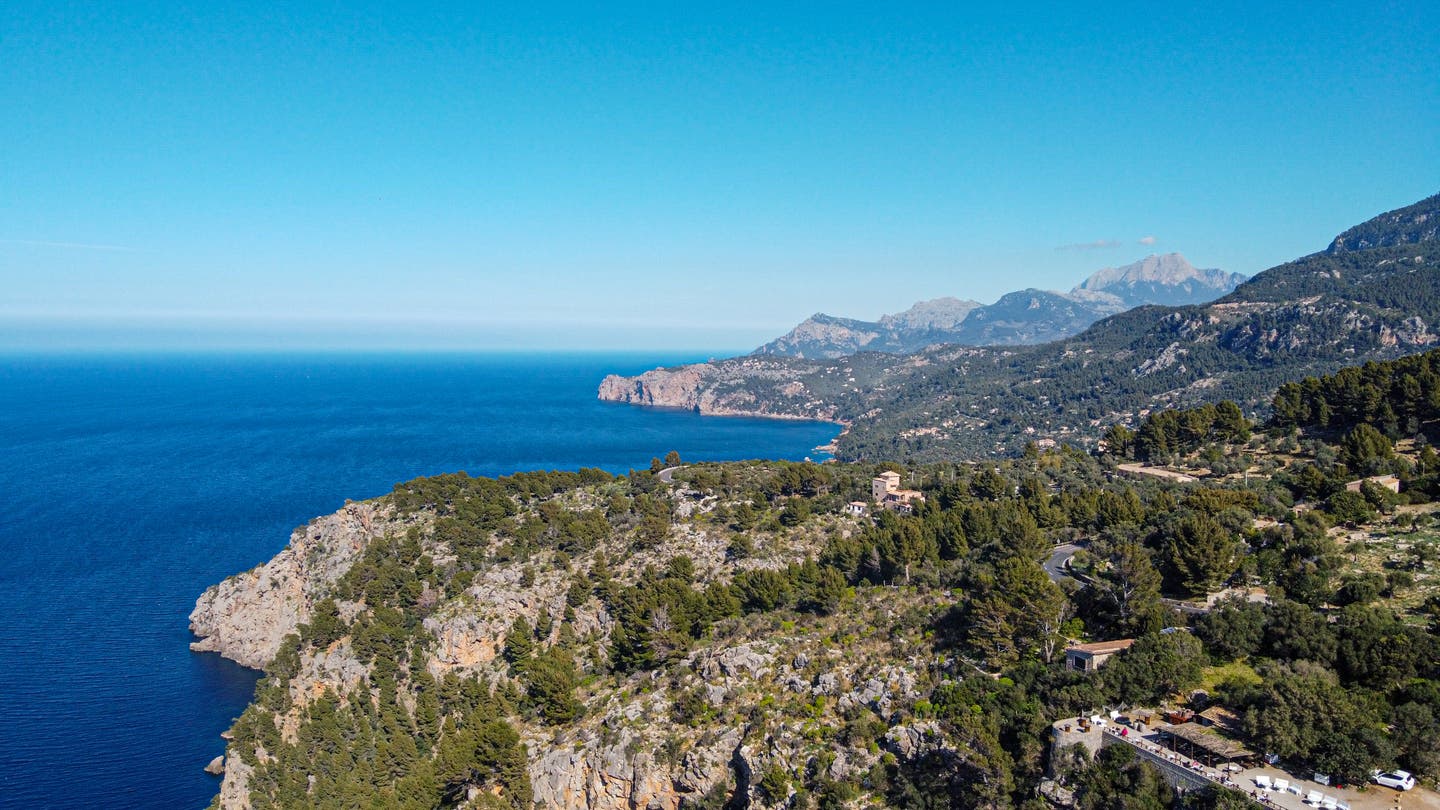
(132, 482)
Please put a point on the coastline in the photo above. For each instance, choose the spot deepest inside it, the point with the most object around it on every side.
(232, 452)
(830, 447)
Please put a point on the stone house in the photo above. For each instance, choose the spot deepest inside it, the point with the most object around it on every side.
(886, 492)
(1389, 482)
(1090, 657)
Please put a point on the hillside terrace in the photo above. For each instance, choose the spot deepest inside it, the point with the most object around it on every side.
(1225, 762)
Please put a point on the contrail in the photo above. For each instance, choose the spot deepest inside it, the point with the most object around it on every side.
(71, 245)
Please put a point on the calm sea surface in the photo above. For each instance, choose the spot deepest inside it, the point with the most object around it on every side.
(130, 483)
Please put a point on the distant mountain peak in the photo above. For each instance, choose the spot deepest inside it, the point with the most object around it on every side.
(937, 313)
(1165, 279)
(1017, 318)
(1374, 295)
(1168, 268)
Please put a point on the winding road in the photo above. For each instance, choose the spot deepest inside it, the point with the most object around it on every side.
(1055, 564)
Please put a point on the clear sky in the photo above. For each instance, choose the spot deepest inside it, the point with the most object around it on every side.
(609, 176)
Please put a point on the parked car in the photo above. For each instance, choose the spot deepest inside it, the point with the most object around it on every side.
(1400, 780)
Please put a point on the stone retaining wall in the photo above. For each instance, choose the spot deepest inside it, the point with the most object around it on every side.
(1177, 775)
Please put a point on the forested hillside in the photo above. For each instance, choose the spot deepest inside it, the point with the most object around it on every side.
(1378, 300)
(732, 637)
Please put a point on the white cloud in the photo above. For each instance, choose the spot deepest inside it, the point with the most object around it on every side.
(1147, 240)
(1098, 244)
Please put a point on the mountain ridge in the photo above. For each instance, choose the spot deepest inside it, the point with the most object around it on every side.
(1301, 318)
(1021, 317)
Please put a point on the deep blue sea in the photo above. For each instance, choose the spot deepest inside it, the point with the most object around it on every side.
(129, 483)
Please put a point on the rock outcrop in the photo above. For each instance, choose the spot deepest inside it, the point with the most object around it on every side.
(746, 386)
(246, 617)
(623, 773)
(235, 787)
(680, 387)
(630, 747)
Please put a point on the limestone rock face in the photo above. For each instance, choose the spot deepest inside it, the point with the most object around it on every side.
(629, 748)
(471, 636)
(235, 787)
(623, 773)
(668, 388)
(725, 388)
(245, 617)
(913, 741)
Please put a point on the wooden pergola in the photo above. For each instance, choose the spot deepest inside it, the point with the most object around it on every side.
(1204, 744)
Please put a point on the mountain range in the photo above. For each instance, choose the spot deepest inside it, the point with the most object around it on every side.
(1374, 293)
(1018, 318)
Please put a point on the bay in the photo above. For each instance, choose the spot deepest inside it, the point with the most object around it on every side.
(129, 483)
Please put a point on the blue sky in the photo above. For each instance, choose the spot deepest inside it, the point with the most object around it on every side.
(608, 176)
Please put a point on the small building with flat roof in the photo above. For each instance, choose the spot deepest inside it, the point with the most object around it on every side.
(1389, 482)
(1090, 657)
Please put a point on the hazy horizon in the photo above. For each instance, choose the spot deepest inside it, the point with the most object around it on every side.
(622, 177)
(359, 332)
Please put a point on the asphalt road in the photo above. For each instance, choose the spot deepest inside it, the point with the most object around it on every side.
(1054, 565)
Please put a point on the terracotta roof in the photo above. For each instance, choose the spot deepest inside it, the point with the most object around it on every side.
(905, 495)
(1102, 647)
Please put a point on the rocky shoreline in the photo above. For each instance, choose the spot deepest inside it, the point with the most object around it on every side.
(247, 617)
(769, 388)
(610, 758)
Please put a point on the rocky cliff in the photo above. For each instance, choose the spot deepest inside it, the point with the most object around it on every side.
(246, 617)
(749, 386)
(659, 738)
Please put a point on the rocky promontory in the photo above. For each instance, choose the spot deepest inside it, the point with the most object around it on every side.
(745, 386)
(402, 608)
(247, 617)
